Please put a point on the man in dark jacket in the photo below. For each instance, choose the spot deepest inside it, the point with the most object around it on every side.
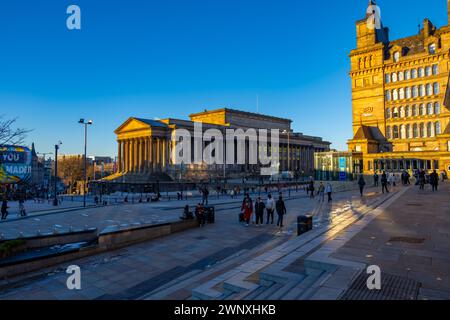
(281, 211)
(434, 180)
(4, 209)
(259, 211)
(384, 182)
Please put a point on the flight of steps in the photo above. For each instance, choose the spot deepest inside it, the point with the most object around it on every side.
(139, 178)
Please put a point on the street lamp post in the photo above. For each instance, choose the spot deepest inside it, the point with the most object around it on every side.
(55, 182)
(86, 124)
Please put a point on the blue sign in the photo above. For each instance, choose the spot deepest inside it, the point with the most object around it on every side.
(342, 176)
(15, 164)
(342, 164)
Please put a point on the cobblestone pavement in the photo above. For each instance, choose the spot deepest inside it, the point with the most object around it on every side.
(130, 272)
(411, 238)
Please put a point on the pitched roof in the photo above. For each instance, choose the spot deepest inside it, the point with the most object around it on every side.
(153, 123)
(364, 133)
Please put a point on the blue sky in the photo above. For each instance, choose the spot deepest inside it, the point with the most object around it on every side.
(161, 58)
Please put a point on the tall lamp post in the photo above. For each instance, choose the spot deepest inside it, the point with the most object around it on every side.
(86, 124)
(55, 182)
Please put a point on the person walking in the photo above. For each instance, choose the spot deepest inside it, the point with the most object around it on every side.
(311, 188)
(205, 194)
(247, 210)
(361, 184)
(4, 209)
(270, 207)
(384, 182)
(422, 180)
(329, 191)
(200, 215)
(281, 211)
(259, 211)
(321, 192)
(434, 180)
(22, 211)
(376, 178)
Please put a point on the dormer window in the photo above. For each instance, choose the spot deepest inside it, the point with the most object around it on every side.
(396, 56)
(432, 48)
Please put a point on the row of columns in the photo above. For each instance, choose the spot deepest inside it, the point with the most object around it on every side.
(146, 154)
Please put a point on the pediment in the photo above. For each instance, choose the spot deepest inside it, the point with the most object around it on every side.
(132, 124)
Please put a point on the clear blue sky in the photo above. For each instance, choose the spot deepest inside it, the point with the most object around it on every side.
(160, 58)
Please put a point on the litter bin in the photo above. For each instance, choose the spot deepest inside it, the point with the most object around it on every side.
(210, 214)
(304, 224)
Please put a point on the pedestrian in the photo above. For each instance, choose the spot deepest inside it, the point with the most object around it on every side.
(205, 194)
(311, 188)
(200, 215)
(375, 179)
(22, 211)
(384, 182)
(434, 180)
(247, 210)
(259, 212)
(422, 179)
(321, 192)
(270, 207)
(329, 191)
(281, 211)
(361, 184)
(4, 209)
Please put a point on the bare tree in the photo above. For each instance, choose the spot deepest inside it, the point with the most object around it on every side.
(9, 134)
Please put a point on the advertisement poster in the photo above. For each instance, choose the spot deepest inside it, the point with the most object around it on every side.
(15, 164)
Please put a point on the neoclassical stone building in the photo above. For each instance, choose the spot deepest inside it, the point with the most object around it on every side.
(146, 147)
(400, 99)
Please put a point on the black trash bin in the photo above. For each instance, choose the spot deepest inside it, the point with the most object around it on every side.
(210, 214)
(304, 224)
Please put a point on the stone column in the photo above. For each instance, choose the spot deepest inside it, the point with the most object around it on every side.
(119, 156)
(134, 155)
(150, 154)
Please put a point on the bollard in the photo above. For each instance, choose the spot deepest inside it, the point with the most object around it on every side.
(304, 224)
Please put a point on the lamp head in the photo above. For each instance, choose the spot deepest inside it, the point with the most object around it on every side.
(81, 121)
(90, 122)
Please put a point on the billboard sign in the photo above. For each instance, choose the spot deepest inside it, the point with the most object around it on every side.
(15, 164)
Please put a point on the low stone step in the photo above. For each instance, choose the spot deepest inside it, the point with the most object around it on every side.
(299, 289)
(312, 289)
(277, 295)
(269, 291)
(252, 295)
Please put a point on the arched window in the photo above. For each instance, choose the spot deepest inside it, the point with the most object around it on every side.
(394, 77)
(408, 93)
(437, 127)
(430, 130)
(415, 130)
(432, 48)
(408, 131)
(401, 76)
(422, 90)
(395, 113)
(436, 88)
(435, 70)
(414, 111)
(402, 112)
(388, 113)
(407, 74)
(422, 110)
(414, 73)
(388, 132)
(388, 95)
(388, 78)
(422, 130)
(415, 92)
(429, 109)
(395, 94)
(395, 133)
(401, 92)
(428, 71)
(402, 131)
(437, 108)
(421, 72)
(396, 56)
(407, 111)
(429, 89)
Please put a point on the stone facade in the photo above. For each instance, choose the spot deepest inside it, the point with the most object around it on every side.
(400, 99)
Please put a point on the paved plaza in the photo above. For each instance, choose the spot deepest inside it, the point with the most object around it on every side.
(180, 265)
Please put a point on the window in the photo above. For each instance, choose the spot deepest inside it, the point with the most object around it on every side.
(388, 132)
(402, 112)
(437, 127)
(396, 56)
(402, 131)
(428, 71)
(435, 70)
(422, 90)
(430, 130)
(436, 88)
(395, 113)
(408, 93)
(407, 111)
(394, 77)
(432, 48)
(415, 92)
(414, 111)
(388, 78)
(388, 95)
(400, 76)
(415, 130)
(437, 108)
(401, 93)
(388, 113)
(407, 74)
(395, 95)
(422, 130)
(408, 131)
(395, 133)
(422, 110)
(413, 74)
(429, 89)
(421, 72)
(429, 109)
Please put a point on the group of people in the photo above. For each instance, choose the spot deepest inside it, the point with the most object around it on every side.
(321, 191)
(4, 208)
(248, 209)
